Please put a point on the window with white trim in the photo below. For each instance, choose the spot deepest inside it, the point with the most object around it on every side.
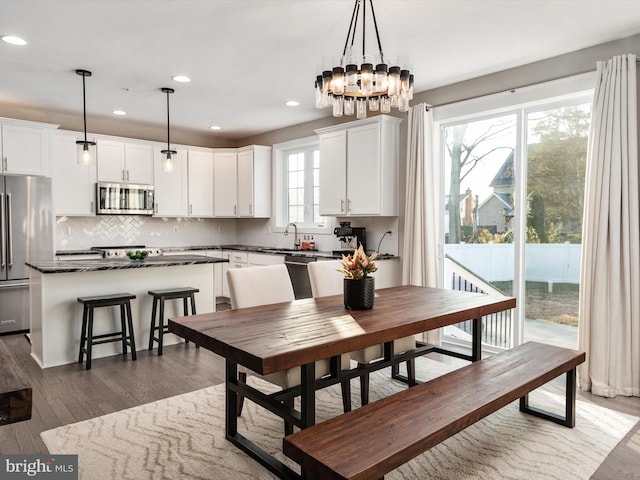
(297, 183)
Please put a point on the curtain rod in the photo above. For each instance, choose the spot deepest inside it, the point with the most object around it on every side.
(513, 89)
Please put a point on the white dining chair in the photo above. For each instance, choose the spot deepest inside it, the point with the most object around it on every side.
(264, 285)
(326, 280)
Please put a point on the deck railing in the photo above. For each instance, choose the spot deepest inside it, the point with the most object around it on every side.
(497, 327)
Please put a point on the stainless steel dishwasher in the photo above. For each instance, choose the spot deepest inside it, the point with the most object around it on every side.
(297, 266)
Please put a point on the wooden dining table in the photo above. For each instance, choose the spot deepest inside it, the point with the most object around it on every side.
(276, 337)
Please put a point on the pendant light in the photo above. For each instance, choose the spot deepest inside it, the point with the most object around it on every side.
(168, 164)
(86, 149)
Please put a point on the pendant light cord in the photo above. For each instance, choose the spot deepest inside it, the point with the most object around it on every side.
(84, 108)
(168, 91)
(168, 129)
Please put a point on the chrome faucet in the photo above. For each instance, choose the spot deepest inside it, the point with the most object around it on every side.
(296, 240)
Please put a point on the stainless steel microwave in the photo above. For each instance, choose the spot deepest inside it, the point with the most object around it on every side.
(124, 199)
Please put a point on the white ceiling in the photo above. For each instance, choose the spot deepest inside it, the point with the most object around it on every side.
(247, 57)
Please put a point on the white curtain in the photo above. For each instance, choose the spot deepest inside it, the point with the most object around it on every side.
(421, 222)
(610, 273)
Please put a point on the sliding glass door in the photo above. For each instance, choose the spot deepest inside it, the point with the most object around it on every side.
(513, 196)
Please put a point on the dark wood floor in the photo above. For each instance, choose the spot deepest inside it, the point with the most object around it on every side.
(67, 394)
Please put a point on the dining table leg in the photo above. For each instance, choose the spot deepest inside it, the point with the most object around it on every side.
(476, 340)
(307, 402)
(231, 399)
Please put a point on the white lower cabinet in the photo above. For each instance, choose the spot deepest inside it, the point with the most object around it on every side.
(258, 259)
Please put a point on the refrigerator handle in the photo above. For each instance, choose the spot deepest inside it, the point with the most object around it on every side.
(9, 233)
(3, 246)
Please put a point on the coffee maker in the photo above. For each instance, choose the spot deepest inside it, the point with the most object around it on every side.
(350, 238)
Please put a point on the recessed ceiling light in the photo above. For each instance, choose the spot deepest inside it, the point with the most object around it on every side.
(119, 112)
(181, 78)
(14, 40)
(215, 127)
(292, 103)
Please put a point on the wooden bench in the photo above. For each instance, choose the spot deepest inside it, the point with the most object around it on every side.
(373, 440)
(15, 395)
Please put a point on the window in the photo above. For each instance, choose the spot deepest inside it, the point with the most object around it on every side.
(302, 166)
(512, 210)
(297, 184)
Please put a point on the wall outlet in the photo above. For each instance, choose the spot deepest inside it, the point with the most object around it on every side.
(220, 229)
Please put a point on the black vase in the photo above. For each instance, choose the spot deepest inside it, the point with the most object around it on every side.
(359, 294)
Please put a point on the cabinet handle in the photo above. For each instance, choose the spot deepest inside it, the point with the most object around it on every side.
(342, 205)
(123, 176)
(127, 174)
(155, 207)
(235, 210)
(348, 205)
(4, 163)
(190, 209)
(250, 209)
(91, 206)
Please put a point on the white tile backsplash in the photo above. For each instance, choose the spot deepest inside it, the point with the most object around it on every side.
(79, 233)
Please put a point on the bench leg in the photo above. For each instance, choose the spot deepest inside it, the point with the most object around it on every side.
(569, 419)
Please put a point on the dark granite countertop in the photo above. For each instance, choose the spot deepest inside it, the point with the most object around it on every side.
(267, 250)
(242, 248)
(67, 266)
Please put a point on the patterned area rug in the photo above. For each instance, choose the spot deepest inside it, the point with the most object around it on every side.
(182, 437)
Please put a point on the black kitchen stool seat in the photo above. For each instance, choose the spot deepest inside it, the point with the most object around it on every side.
(159, 297)
(88, 339)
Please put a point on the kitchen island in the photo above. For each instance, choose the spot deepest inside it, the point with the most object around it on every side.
(56, 315)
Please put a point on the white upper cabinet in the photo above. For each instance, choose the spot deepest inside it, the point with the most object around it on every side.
(171, 192)
(200, 164)
(333, 173)
(120, 161)
(242, 182)
(359, 168)
(254, 181)
(73, 184)
(25, 147)
(225, 184)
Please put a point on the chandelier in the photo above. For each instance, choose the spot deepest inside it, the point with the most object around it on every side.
(359, 82)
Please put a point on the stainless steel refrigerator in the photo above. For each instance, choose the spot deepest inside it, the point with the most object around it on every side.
(26, 234)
